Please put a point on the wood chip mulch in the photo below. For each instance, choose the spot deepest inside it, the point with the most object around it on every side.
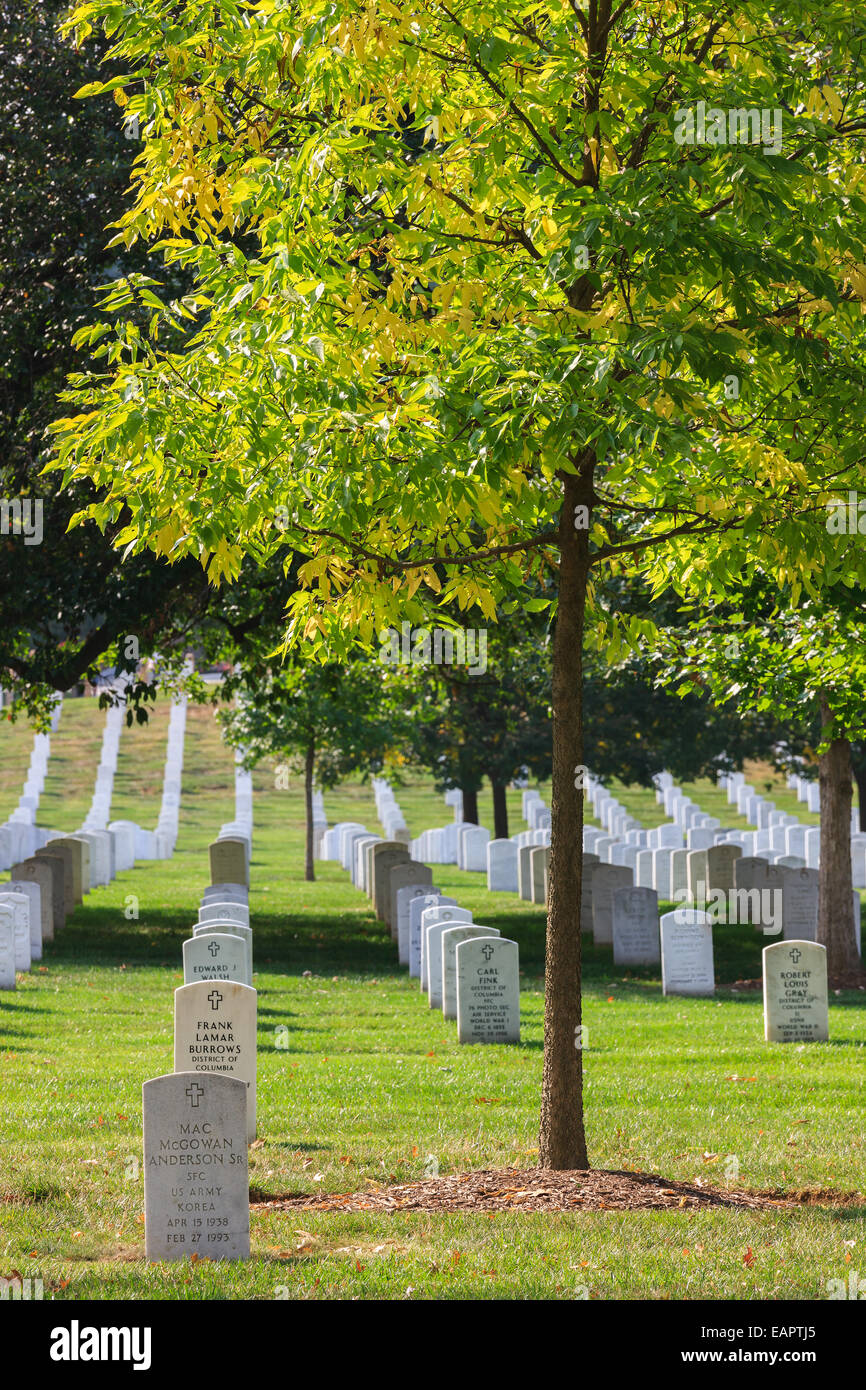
(527, 1189)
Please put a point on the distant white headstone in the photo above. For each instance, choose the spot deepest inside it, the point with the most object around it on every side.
(225, 912)
(416, 909)
(15, 907)
(636, 926)
(501, 866)
(432, 920)
(451, 939)
(7, 950)
(687, 952)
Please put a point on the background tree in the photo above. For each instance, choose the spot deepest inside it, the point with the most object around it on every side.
(327, 720)
(804, 663)
(466, 726)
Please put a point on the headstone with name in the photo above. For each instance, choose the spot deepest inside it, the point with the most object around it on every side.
(228, 862)
(214, 956)
(215, 1031)
(687, 953)
(795, 992)
(635, 926)
(488, 991)
(196, 1168)
(230, 929)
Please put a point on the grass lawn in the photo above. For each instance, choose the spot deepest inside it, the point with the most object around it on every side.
(374, 1089)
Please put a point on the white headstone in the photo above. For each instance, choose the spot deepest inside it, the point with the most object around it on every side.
(15, 907)
(502, 866)
(636, 926)
(7, 950)
(225, 893)
(451, 938)
(230, 929)
(795, 992)
(687, 952)
(488, 991)
(606, 879)
(405, 897)
(800, 905)
(433, 922)
(196, 1174)
(416, 908)
(225, 912)
(215, 1031)
(214, 956)
(34, 901)
(228, 861)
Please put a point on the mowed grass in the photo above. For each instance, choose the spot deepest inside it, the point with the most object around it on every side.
(372, 1087)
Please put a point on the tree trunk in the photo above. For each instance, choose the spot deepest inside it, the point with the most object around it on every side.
(835, 894)
(470, 807)
(309, 763)
(500, 810)
(562, 1143)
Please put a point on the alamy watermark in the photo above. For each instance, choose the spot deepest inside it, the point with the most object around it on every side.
(762, 907)
(22, 516)
(438, 646)
(17, 1289)
(734, 125)
(846, 517)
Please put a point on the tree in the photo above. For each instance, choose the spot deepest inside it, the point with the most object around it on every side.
(331, 719)
(475, 306)
(805, 664)
(66, 602)
(466, 725)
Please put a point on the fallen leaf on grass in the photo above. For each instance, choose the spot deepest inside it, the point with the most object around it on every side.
(749, 1258)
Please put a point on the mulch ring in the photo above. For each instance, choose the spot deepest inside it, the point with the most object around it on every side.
(527, 1189)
